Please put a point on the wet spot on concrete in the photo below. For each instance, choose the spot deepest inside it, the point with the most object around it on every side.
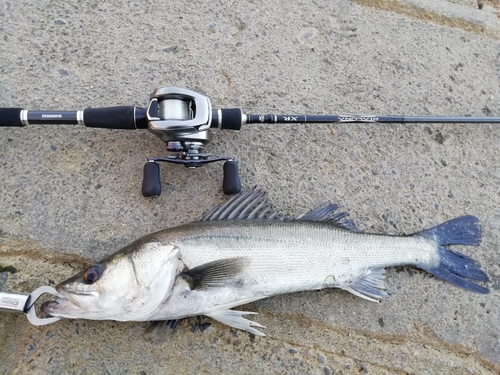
(439, 138)
(171, 49)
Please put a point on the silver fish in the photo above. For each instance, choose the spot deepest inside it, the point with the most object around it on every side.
(244, 251)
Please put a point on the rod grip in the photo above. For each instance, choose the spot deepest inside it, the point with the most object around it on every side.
(123, 117)
(231, 119)
(10, 117)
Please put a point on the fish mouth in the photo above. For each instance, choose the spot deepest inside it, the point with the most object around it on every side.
(49, 307)
(65, 308)
(67, 305)
(56, 308)
(73, 294)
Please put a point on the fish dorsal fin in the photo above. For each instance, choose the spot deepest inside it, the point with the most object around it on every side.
(251, 205)
(213, 273)
(371, 286)
(326, 213)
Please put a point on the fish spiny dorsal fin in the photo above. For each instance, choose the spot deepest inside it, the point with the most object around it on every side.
(213, 273)
(326, 213)
(251, 205)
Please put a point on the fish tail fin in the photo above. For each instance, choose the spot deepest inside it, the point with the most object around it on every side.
(463, 230)
(454, 267)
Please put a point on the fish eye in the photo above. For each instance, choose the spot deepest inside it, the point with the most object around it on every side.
(92, 274)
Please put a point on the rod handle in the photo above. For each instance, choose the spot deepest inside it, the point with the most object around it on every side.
(231, 118)
(122, 117)
(10, 117)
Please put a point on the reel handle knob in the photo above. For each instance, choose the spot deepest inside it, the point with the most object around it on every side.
(231, 182)
(151, 184)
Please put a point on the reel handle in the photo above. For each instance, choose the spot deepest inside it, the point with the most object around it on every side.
(231, 183)
(151, 183)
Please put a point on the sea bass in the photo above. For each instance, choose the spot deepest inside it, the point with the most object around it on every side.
(245, 251)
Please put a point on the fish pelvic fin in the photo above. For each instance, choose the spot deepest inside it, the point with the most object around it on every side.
(234, 318)
(371, 286)
(454, 267)
(159, 331)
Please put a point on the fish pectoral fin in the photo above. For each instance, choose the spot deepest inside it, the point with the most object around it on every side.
(214, 273)
(234, 318)
(371, 286)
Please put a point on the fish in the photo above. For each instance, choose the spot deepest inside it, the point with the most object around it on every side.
(244, 251)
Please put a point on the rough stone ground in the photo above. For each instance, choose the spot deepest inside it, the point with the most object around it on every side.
(69, 195)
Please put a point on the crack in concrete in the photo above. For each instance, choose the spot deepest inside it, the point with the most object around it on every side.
(428, 15)
(452, 353)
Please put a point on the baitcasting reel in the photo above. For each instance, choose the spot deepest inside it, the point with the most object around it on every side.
(182, 119)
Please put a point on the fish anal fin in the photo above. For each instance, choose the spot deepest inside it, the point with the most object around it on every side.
(213, 273)
(371, 286)
(234, 318)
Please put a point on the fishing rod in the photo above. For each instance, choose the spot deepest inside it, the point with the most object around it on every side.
(182, 119)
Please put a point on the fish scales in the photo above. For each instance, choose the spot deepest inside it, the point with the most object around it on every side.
(296, 250)
(285, 257)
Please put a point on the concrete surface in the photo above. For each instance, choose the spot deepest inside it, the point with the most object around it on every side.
(70, 195)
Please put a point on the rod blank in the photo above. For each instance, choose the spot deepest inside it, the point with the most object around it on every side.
(316, 119)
